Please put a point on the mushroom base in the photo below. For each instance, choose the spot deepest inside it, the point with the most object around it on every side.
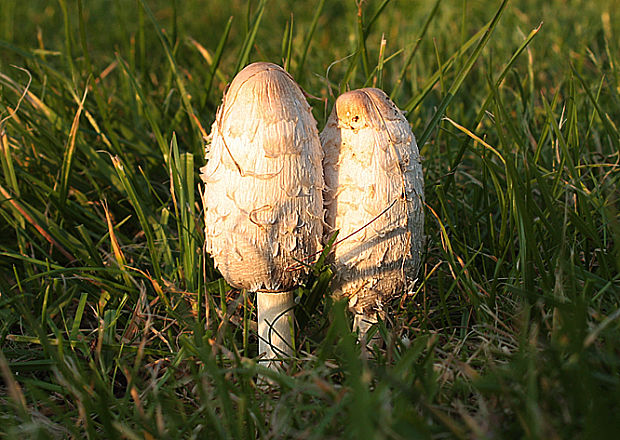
(275, 326)
(362, 323)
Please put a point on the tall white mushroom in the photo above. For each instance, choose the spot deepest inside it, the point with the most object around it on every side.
(375, 191)
(263, 195)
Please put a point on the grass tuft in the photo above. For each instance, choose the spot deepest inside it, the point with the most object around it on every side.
(114, 323)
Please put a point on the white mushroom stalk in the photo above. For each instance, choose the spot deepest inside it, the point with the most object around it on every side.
(374, 181)
(263, 195)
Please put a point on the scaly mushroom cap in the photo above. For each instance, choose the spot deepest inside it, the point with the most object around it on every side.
(373, 175)
(263, 181)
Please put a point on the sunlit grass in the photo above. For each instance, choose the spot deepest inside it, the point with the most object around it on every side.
(113, 322)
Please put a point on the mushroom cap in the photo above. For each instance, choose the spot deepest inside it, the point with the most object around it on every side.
(374, 185)
(263, 181)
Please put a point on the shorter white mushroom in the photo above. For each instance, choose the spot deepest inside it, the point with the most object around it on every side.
(263, 195)
(375, 194)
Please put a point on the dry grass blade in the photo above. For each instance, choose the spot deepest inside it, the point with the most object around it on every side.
(116, 248)
(65, 170)
(30, 220)
(14, 389)
(114, 324)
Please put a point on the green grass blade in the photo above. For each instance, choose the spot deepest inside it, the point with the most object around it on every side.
(137, 204)
(375, 16)
(217, 58)
(432, 80)
(146, 107)
(612, 131)
(185, 97)
(308, 40)
(418, 40)
(77, 320)
(244, 54)
(459, 155)
(287, 44)
(461, 76)
(182, 189)
(361, 40)
(68, 40)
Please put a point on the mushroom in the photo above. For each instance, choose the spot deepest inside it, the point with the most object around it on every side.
(374, 196)
(262, 196)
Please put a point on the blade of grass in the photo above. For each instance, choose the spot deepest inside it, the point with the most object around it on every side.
(217, 58)
(68, 41)
(287, 44)
(459, 155)
(65, 170)
(361, 40)
(308, 40)
(418, 40)
(144, 223)
(146, 107)
(374, 17)
(182, 191)
(430, 83)
(244, 53)
(612, 131)
(379, 77)
(460, 77)
(7, 163)
(30, 220)
(185, 97)
(77, 320)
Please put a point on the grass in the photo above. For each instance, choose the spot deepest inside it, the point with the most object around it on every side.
(114, 324)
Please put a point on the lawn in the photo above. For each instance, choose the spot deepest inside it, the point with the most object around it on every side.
(114, 322)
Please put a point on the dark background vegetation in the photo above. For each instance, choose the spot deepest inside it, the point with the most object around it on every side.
(113, 324)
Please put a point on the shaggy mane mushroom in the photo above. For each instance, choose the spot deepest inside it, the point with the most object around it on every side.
(262, 195)
(374, 185)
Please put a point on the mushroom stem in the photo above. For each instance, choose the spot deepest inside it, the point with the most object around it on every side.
(363, 323)
(275, 325)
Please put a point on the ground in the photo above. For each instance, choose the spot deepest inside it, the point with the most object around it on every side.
(113, 322)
